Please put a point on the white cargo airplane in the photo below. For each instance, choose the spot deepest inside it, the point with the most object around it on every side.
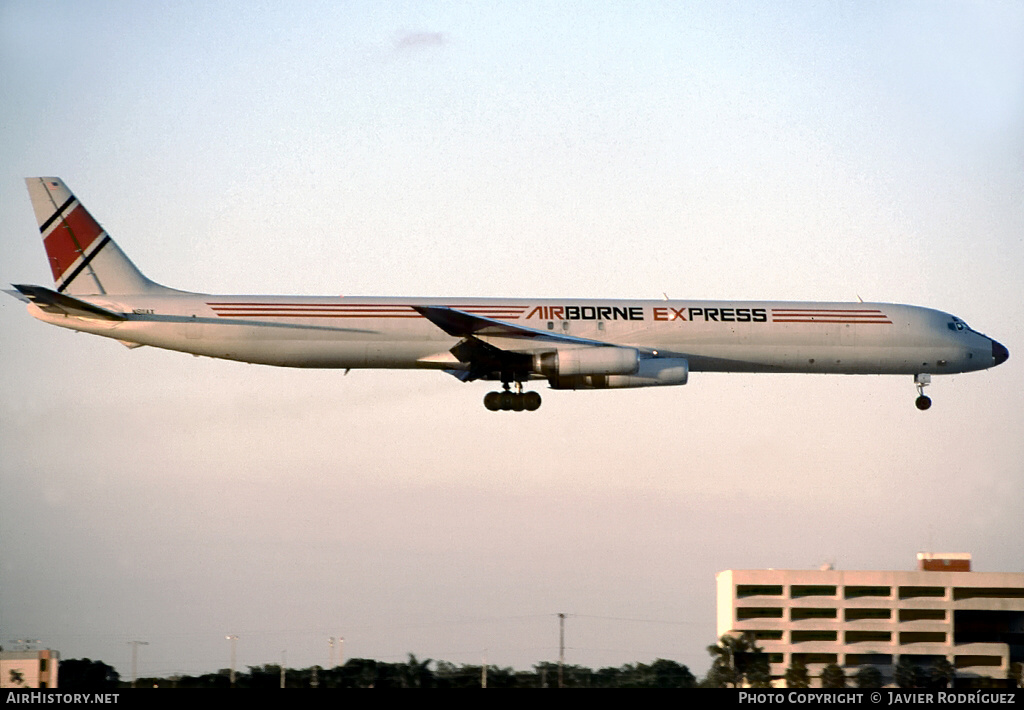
(573, 344)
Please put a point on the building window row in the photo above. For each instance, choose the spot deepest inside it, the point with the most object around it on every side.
(745, 613)
(798, 591)
(849, 637)
(853, 660)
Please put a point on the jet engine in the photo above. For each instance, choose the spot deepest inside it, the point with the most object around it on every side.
(652, 372)
(599, 361)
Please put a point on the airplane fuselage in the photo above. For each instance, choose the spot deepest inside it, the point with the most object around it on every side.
(571, 343)
(715, 336)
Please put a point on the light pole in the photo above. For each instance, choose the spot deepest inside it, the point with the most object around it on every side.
(233, 639)
(135, 648)
(561, 649)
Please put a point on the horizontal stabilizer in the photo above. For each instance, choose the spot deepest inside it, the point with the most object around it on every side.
(53, 302)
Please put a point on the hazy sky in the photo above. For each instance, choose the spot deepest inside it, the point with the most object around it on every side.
(816, 151)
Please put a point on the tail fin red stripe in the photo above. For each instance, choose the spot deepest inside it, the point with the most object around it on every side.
(69, 240)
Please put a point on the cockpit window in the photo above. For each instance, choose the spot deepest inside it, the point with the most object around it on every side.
(958, 324)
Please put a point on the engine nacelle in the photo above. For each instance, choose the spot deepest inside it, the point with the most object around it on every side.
(598, 361)
(653, 372)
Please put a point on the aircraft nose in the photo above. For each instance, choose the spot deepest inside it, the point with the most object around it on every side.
(999, 353)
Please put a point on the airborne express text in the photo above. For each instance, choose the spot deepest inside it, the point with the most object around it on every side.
(659, 313)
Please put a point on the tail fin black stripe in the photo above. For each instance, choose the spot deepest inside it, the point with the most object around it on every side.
(55, 215)
(85, 262)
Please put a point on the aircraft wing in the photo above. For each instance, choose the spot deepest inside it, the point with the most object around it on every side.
(53, 302)
(505, 336)
(491, 347)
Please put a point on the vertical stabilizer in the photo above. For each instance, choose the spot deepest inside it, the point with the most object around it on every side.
(83, 258)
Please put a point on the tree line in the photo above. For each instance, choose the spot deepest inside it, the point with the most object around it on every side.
(413, 673)
(737, 661)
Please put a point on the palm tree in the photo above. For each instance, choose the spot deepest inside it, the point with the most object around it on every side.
(942, 674)
(738, 659)
(416, 674)
(869, 677)
(723, 667)
(906, 673)
(832, 676)
(797, 675)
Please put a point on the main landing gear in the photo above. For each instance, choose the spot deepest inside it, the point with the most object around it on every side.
(923, 401)
(512, 401)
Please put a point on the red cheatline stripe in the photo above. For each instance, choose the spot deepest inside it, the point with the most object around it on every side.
(294, 312)
(829, 315)
(324, 314)
(248, 304)
(485, 305)
(321, 307)
(222, 309)
(311, 309)
(283, 314)
(819, 320)
(827, 319)
(308, 316)
(343, 305)
(826, 310)
(854, 317)
(235, 309)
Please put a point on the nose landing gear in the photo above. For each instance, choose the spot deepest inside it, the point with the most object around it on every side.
(923, 401)
(512, 401)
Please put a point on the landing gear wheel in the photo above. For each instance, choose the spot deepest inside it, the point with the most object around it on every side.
(512, 401)
(531, 400)
(923, 402)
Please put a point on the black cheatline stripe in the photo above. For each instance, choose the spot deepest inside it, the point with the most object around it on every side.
(85, 263)
(55, 215)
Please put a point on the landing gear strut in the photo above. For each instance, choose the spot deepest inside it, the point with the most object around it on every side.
(923, 401)
(512, 401)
